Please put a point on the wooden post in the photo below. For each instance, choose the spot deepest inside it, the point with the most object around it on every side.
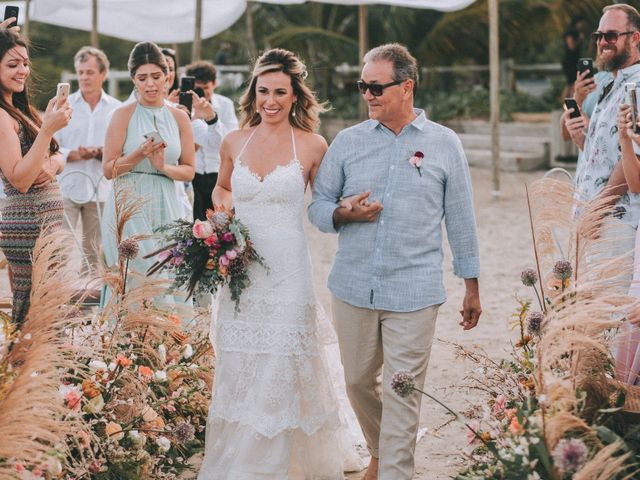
(363, 47)
(94, 24)
(197, 34)
(494, 68)
(25, 26)
(251, 40)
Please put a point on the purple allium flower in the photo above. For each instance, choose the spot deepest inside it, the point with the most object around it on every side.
(128, 248)
(220, 220)
(184, 432)
(534, 322)
(403, 383)
(189, 242)
(562, 270)
(570, 455)
(529, 277)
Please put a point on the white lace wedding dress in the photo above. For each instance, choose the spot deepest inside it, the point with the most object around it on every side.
(275, 413)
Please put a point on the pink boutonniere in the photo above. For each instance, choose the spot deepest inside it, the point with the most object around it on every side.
(416, 161)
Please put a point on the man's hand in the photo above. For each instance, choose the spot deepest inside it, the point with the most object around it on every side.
(471, 308)
(357, 208)
(583, 87)
(202, 108)
(577, 128)
(84, 153)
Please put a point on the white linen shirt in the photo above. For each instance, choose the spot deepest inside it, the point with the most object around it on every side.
(209, 137)
(87, 128)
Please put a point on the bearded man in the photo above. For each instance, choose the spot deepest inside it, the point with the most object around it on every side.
(599, 171)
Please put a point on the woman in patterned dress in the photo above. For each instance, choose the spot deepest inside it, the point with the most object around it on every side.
(28, 166)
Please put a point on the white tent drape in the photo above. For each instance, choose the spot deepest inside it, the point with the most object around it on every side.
(173, 21)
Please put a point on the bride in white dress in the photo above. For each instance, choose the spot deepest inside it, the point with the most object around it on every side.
(275, 412)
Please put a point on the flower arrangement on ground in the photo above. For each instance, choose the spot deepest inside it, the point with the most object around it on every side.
(554, 410)
(205, 255)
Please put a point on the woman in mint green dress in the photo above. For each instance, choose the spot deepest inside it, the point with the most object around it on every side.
(144, 167)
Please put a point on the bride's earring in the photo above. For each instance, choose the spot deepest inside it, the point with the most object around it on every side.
(293, 109)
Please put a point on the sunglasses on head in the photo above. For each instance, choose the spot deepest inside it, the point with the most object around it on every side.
(609, 37)
(376, 89)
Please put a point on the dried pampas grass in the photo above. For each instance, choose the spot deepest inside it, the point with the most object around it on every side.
(33, 417)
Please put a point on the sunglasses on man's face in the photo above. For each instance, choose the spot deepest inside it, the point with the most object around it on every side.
(376, 89)
(609, 37)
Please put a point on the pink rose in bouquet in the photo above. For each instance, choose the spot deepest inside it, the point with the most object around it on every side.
(202, 229)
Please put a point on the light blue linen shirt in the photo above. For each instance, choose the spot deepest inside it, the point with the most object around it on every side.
(395, 263)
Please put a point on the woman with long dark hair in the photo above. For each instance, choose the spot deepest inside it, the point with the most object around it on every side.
(28, 166)
(146, 168)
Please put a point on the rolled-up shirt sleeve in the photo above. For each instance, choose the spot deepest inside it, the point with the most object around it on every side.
(459, 215)
(327, 189)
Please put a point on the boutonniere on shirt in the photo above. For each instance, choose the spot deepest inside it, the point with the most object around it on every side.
(416, 161)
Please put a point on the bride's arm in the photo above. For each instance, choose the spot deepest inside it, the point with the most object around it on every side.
(221, 194)
(319, 149)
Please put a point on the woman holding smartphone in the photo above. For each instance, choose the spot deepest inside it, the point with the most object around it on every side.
(28, 166)
(148, 146)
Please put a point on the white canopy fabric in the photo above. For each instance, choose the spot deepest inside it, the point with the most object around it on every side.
(173, 21)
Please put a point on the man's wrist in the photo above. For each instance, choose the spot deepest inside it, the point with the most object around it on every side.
(213, 119)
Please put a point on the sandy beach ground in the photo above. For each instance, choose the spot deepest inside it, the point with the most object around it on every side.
(505, 249)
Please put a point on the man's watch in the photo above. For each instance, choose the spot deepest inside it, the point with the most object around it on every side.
(214, 120)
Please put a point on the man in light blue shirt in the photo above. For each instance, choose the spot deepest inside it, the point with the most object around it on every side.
(384, 186)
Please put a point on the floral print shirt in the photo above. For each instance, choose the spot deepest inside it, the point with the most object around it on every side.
(602, 148)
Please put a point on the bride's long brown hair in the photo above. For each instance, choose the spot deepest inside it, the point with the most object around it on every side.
(21, 110)
(307, 108)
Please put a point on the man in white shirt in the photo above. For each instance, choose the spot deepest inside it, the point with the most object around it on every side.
(81, 143)
(221, 120)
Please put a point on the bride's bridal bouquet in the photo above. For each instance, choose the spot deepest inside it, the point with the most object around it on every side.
(204, 255)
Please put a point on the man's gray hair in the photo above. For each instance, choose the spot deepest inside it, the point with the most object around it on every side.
(101, 57)
(405, 66)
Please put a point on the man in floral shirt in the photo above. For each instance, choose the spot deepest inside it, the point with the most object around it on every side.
(599, 170)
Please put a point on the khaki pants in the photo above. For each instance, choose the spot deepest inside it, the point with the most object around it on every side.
(91, 237)
(369, 340)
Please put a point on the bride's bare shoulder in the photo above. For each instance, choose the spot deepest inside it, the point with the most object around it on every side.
(233, 141)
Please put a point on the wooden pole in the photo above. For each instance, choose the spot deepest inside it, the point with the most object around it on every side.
(94, 24)
(251, 39)
(494, 68)
(25, 26)
(363, 47)
(197, 34)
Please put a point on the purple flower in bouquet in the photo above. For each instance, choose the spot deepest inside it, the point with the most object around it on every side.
(224, 261)
(403, 383)
(231, 254)
(570, 455)
(228, 237)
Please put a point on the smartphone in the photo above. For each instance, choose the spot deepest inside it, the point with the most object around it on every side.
(11, 11)
(186, 99)
(585, 64)
(154, 136)
(187, 83)
(570, 103)
(62, 93)
(631, 99)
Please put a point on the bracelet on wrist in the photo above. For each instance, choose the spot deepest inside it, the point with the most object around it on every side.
(214, 120)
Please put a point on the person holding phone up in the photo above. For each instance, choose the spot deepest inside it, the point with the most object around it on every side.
(148, 146)
(599, 172)
(28, 166)
(217, 117)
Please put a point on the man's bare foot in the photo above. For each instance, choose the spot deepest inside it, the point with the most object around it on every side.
(372, 470)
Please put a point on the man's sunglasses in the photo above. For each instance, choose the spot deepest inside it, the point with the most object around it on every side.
(609, 37)
(376, 89)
